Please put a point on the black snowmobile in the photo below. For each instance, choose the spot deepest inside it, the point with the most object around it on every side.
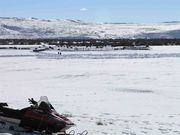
(40, 117)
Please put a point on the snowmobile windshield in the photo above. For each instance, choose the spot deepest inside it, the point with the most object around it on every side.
(44, 104)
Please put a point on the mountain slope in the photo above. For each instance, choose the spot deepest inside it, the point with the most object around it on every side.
(35, 28)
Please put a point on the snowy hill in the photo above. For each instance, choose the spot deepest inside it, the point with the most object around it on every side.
(35, 28)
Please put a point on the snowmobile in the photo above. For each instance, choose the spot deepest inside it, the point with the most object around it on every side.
(39, 118)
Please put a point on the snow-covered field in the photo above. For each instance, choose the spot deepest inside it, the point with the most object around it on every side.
(128, 92)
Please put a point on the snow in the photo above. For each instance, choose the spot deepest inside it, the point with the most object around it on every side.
(131, 95)
(35, 28)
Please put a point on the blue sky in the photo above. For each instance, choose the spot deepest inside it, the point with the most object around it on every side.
(141, 11)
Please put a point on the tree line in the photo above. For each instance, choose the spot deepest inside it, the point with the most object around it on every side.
(90, 42)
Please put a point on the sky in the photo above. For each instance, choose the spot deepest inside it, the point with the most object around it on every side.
(114, 11)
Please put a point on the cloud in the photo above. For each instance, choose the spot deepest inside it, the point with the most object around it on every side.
(83, 9)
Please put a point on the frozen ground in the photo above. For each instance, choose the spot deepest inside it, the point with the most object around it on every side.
(127, 95)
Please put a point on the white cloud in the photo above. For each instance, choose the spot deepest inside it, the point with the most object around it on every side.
(83, 9)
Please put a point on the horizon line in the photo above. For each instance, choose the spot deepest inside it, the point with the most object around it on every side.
(51, 19)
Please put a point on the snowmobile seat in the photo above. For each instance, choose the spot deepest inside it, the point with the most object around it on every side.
(11, 113)
(3, 104)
